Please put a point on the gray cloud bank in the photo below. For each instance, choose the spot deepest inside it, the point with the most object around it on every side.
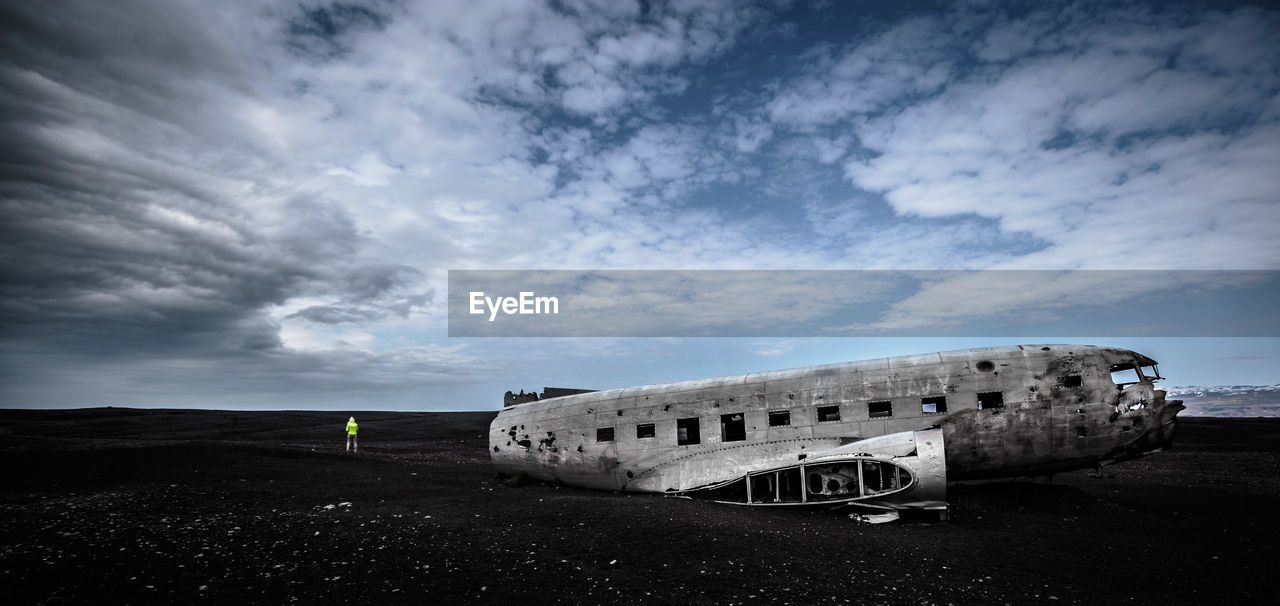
(148, 216)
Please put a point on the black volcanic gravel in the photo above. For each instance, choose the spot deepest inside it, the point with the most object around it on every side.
(156, 506)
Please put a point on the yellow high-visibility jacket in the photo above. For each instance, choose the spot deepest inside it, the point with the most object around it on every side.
(351, 427)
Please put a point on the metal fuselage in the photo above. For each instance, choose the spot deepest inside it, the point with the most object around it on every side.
(1002, 411)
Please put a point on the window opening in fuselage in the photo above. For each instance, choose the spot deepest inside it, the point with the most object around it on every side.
(934, 405)
(733, 427)
(687, 431)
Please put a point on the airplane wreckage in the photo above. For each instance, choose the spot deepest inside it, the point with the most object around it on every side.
(880, 436)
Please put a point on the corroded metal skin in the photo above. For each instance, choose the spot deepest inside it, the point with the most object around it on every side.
(1045, 408)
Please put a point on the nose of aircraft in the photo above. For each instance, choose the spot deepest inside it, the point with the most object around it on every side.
(1167, 417)
(1161, 420)
(1156, 420)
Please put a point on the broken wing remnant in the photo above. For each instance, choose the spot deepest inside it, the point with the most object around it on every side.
(883, 435)
(905, 470)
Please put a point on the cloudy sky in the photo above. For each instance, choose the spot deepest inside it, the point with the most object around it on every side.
(249, 204)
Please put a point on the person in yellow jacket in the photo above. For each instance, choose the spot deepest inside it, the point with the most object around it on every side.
(352, 443)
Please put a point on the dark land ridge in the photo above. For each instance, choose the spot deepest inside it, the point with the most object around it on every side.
(216, 507)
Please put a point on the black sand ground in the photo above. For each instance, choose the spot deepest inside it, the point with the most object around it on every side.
(130, 506)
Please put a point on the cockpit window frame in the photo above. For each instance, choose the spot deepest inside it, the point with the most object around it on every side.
(1124, 366)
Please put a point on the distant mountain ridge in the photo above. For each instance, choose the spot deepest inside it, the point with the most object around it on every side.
(1221, 390)
(1228, 400)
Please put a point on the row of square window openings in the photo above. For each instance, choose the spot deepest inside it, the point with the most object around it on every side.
(733, 426)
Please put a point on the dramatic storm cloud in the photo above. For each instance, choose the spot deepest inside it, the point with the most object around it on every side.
(255, 204)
